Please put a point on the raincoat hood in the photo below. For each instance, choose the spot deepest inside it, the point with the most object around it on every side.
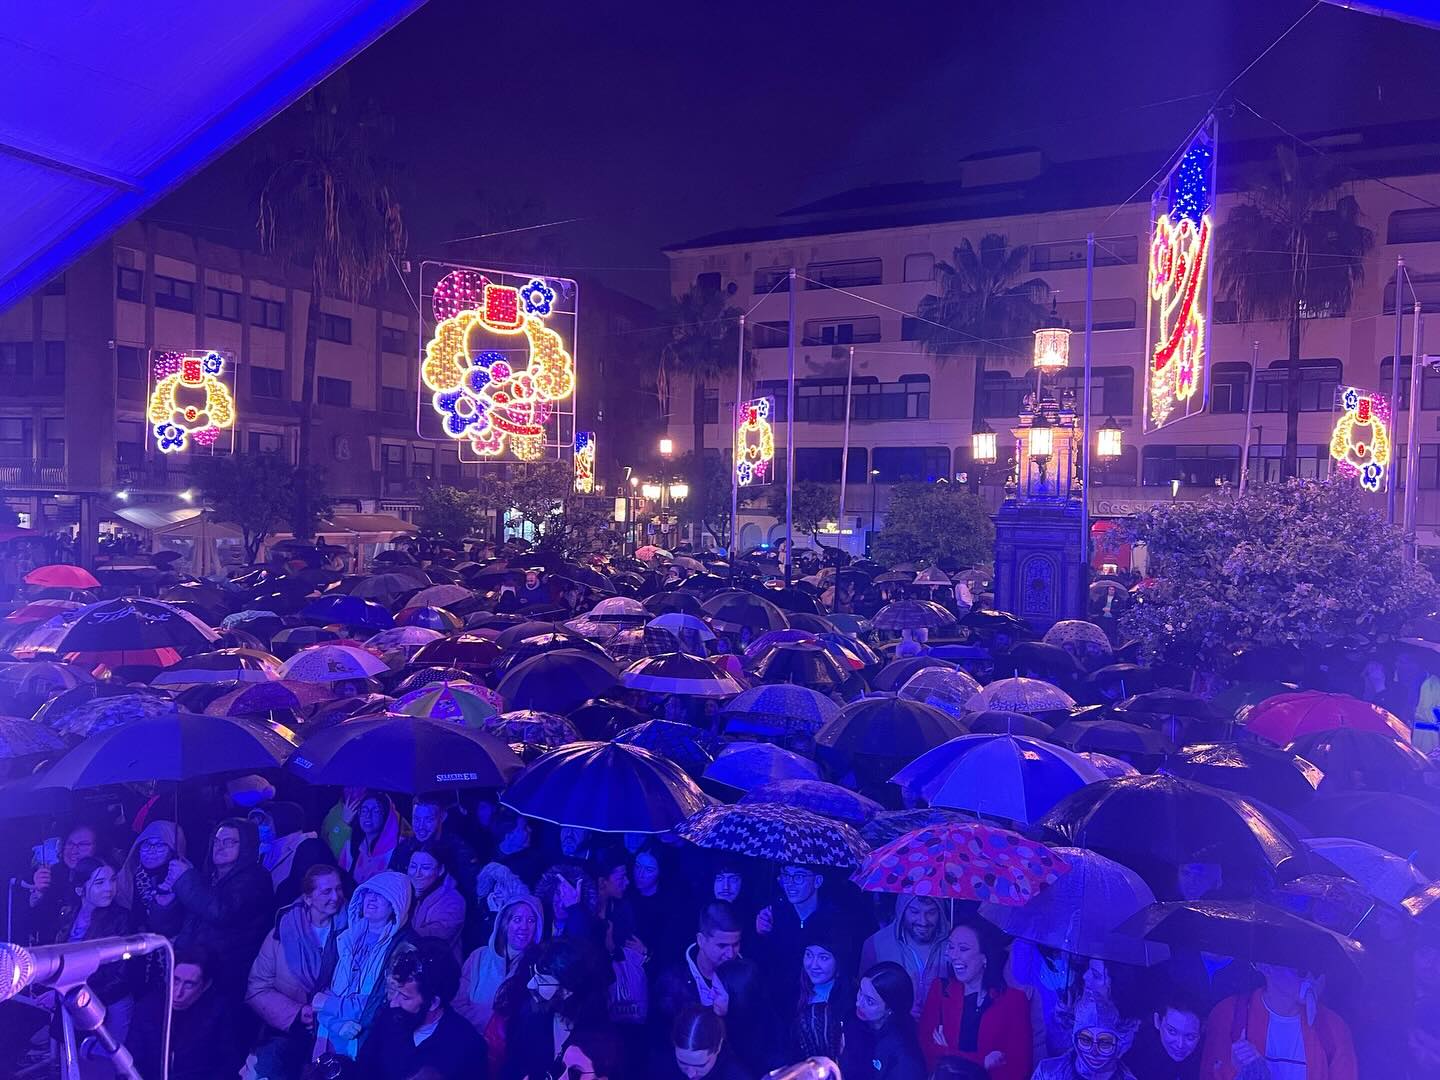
(394, 887)
(174, 837)
(497, 932)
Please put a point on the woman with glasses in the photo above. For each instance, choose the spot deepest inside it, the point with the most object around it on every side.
(146, 885)
(559, 989)
(228, 905)
(49, 888)
(1100, 1040)
(971, 1013)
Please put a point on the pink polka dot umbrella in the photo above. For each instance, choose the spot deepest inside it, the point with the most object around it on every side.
(962, 861)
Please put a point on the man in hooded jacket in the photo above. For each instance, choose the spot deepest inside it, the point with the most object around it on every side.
(914, 939)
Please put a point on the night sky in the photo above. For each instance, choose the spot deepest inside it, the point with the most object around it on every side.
(654, 123)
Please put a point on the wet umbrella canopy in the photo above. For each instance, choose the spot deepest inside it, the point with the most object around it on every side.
(605, 787)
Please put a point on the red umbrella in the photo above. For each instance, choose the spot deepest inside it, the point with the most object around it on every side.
(1285, 717)
(962, 861)
(40, 610)
(62, 576)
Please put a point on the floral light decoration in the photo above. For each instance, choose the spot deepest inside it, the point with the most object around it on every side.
(1360, 441)
(190, 402)
(754, 442)
(480, 395)
(585, 462)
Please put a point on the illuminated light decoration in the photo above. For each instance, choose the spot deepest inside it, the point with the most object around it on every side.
(1179, 286)
(481, 396)
(754, 442)
(585, 462)
(1360, 440)
(1110, 440)
(190, 401)
(1052, 348)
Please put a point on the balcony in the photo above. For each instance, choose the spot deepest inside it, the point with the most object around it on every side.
(32, 473)
(152, 476)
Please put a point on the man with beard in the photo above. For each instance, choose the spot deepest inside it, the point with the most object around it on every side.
(417, 1030)
(914, 939)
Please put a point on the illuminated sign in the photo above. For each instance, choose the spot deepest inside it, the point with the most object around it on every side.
(754, 442)
(1360, 441)
(191, 402)
(585, 462)
(1181, 246)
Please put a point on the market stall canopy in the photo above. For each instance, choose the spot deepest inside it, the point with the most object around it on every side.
(136, 99)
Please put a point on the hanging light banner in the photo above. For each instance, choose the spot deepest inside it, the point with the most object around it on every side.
(1360, 440)
(1177, 321)
(497, 362)
(754, 442)
(191, 400)
(585, 462)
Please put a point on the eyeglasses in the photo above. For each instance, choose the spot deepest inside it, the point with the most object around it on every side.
(227, 842)
(1104, 1044)
(795, 877)
(575, 1072)
(154, 845)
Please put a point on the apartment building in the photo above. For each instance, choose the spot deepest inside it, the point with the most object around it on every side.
(865, 258)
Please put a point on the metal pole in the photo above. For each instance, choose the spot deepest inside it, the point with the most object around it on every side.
(735, 450)
(1249, 415)
(1085, 420)
(845, 449)
(1412, 445)
(790, 437)
(1391, 485)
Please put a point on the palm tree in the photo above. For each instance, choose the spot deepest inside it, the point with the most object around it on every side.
(983, 308)
(1295, 245)
(702, 341)
(325, 207)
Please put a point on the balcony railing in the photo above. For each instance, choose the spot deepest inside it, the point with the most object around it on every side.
(32, 473)
(158, 475)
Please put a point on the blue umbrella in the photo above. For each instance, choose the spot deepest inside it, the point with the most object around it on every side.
(678, 742)
(831, 800)
(778, 709)
(103, 713)
(748, 765)
(784, 834)
(897, 673)
(605, 787)
(1006, 776)
(557, 681)
(348, 610)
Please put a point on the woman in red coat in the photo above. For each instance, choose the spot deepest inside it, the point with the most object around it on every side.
(970, 1013)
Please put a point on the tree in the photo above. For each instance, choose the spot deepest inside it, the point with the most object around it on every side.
(813, 504)
(933, 521)
(448, 512)
(255, 492)
(1300, 564)
(710, 506)
(1293, 249)
(326, 207)
(702, 343)
(542, 495)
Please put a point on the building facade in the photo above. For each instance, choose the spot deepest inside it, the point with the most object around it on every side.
(866, 258)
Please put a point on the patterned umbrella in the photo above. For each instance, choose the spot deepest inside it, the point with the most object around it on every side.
(962, 862)
(348, 610)
(103, 713)
(439, 596)
(1078, 914)
(255, 699)
(678, 742)
(640, 642)
(130, 624)
(745, 766)
(621, 609)
(531, 728)
(429, 676)
(21, 738)
(606, 787)
(332, 663)
(787, 835)
(222, 665)
(431, 618)
(169, 746)
(1021, 695)
(912, 615)
(818, 797)
(1285, 717)
(403, 637)
(447, 702)
(890, 825)
(677, 673)
(778, 710)
(897, 673)
(1083, 640)
(947, 689)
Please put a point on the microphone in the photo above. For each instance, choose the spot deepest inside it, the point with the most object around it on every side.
(813, 1068)
(63, 966)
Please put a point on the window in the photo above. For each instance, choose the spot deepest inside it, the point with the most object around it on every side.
(129, 283)
(222, 304)
(853, 331)
(1001, 395)
(897, 463)
(52, 441)
(920, 267)
(174, 294)
(1193, 466)
(1429, 383)
(393, 340)
(394, 399)
(1112, 389)
(130, 362)
(335, 328)
(710, 407)
(1413, 226)
(908, 399)
(1114, 314)
(1069, 254)
(769, 335)
(267, 313)
(330, 391)
(849, 274)
(392, 461)
(15, 437)
(267, 382)
(17, 359)
(266, 442)
(1427, 468)
(1427, 290)
(817, 401)
(911, 328)
(1319, 380)
(708, 281)
(1116, 472)
(1312, 462)
(129, 442)
(772, 277)
(1229, 386)
(1226, 311)
(422, 462)
(55, 359)
(822, 464)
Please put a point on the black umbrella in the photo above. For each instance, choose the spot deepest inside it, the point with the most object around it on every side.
(897, 673)
(557, 681)
(803, 664)
(1355, 760)
(1248, 930)
(605, 787)
(407, 754)
(1252, 769)
(531, 628)
(1400, 824)
(681, 674)
(131, 624)
(684, 603)
(888, 729)
(733, 610)
(600, 718)
(1166, 702)
(1001, 722)
(469, 651)
(793, 599)
(815, 624)
(543, 643)
(1038, 659)
(583, 575)
(990, 621)
(1115, 682)
(1114, 737)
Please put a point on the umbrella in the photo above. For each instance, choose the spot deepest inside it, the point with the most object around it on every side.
(801, 663)
(351, 610)
(992, 622)
(600, 718)
(254, 699)
(734, 610)
(889, 825)
(818, 797)
(620, 609)
(605, 787)
(685, 625)
(429, 676)
(557, 681)
(849, 652)
(1285, 717)
(431, 618)
(1249, 930)
(1357, 760)
(666, 603)
(932, 575)
(129, 624)
(814, 624)
(850, 625)
(1388, 877)
(439, 596)
(1005, 776)
(62, 576)
(1115, 682)
(1249, 768)
(1114, 737)
(1400, 824)
(912, 615)
(332, 663)
(524, 649)
(1344, 906)
(1002, 722)
(945, 688)
(39, 679)
(745, 766)
(1084, 641)
(647, 552)
(678, 742)
(679, 673)
(263, 624)
(1245, 695)
(446, 702)
(223, 665)
(786, 835)
(470, 651)
(1166, 702)
(640, 642)
(405, 754)
(402, 637)
(292, 639)
(532, 628)
(1078, 914)
(385, 587)
(1111, 767)
(968, 861)
(1021, 695)
(889, 728)
(20, 738)
(761, 647)
(41, 610)
(1171, 821)
(898, 672)
(103, 713)
(171, 746)
(531, 728)
(778, 710)
(1035, 658)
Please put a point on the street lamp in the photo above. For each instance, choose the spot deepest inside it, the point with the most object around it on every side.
(679, 492)
(1110, 441)
(667, 447)
(650, 491)
(1042, 438)
(874, 495)
(1052, 343)
(983, 446)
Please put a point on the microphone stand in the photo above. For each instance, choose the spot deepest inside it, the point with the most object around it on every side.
(83, 1010)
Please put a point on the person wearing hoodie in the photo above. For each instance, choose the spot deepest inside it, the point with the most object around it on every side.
(228, 905)
(146, 886)
(827, 993)
(296, 959)
(373, 840)
(439, 910)
(376, 922)
(287, 848)
(914, 939)
(520, 925)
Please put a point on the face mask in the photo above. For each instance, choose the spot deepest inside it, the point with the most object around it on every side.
(267, 838)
